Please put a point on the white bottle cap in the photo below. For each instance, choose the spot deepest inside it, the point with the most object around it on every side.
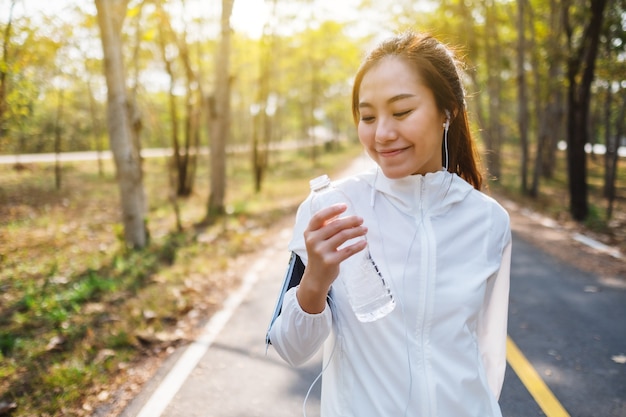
(319, 182)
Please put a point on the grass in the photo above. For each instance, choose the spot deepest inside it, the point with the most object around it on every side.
(77, 310)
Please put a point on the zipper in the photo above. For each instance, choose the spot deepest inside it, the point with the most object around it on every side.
(426, 288)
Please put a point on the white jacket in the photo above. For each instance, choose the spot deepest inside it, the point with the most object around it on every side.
(445, 250)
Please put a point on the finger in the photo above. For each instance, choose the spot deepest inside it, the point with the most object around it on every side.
(352, 238)
(339, 224)
(336, 232)
(330, 248)
(326, 214)
(326, 264)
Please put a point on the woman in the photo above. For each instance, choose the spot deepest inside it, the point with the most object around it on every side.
(443, 246)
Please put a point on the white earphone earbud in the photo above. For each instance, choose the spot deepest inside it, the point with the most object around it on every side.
(446, 125)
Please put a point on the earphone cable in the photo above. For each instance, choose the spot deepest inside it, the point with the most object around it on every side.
(332, 352)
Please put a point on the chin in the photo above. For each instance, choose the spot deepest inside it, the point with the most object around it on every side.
(395, 173)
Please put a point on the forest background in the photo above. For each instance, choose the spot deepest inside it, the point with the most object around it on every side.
(107, 263)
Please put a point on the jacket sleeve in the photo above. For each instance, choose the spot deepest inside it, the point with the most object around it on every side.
(297, 335)
(492, 328)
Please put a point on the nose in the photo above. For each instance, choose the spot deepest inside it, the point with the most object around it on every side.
(385, 130)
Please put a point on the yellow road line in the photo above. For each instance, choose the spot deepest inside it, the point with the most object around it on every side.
(533, 382)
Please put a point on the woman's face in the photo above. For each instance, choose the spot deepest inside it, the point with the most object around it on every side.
(400, 125)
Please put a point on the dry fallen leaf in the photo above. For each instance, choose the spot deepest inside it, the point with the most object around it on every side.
(56, 343)
(149, 315)
(103, 355)
(6, 407)
(619, 358)
(103, 395)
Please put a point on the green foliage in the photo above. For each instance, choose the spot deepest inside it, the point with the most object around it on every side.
(119, 340)
(64, 382)
(7, 343)
(596, 219)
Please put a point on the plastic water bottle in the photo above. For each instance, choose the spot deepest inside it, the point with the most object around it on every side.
(368, 293)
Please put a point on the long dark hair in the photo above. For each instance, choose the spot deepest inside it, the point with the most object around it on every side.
(440, 71)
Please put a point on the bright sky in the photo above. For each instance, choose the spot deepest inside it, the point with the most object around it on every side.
(248, 16)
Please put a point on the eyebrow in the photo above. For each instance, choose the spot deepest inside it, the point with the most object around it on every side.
(393, 99)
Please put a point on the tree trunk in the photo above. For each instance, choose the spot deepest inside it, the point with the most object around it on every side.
(134, 112)
(220, 117)
(522, 100)
(493, 137)
(608, 137)
(193, 108)
(548, 92)
(111, 14)
(612, 158)
(580, 74)
(58, 171)
(177, 161)
(552, 116)
(184, 157)
(262, 123)
(4, 65)
(540, 121)
(96, 127)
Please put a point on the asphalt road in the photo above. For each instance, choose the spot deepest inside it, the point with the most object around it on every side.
(571, 326)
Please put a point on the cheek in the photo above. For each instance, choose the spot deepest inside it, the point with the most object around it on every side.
(364, 132)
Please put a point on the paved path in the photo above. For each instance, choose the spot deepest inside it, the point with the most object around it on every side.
(235, 378)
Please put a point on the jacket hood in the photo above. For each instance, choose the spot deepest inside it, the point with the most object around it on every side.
(419, 195)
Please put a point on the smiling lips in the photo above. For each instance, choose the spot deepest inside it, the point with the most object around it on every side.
(387, 153)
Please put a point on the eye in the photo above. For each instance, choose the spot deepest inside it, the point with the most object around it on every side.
(367, 119)
(402, 113)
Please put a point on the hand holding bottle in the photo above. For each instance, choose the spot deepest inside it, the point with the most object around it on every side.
(324, 237)
(332, 242)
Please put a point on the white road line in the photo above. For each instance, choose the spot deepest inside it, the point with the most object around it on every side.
(176, 377)
(579, 237)
(599, 246)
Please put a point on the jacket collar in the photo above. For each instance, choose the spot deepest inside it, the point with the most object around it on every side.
(419, 195)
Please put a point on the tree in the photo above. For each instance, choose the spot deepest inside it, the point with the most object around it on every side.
(611, 156)
(493, 49)
(4, 65)
(522, 111)
(549, 92)
(111, 15)
(265, 108)
(184, 155)
(580, 74)
(21, 88)
(610, 74)
(219, 109)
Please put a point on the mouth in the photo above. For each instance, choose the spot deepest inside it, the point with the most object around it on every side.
(388, 153)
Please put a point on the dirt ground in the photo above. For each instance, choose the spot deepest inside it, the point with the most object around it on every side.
(558, 239)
